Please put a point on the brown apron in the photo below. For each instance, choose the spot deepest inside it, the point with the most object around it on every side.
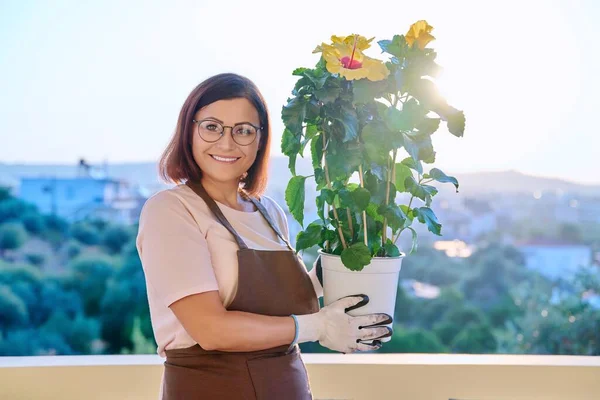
(271, 283)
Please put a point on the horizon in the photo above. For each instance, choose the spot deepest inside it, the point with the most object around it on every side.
(472, 172)
(115, 69)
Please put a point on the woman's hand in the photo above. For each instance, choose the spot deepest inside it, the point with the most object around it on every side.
(338, 331)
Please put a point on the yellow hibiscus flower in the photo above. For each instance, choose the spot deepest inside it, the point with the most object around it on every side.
(348, 60)
(419, 32)
(362, 43)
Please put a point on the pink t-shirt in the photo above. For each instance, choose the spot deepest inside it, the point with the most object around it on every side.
(184, 250)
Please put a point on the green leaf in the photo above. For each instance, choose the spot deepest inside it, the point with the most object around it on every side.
(309, 237)
(420, 148)
(330, 91)
(309, 133)
(439, 176)
(317, 77)
(373, 213)
(396, 47)
(345, 198)
(356, 257)
(408, 212)
(320, 178)
(393, 213)
(365, 91)
(299, 71)
(293, 115)
(423, 192)
(413, 248)
(456, 123)
(325, 196)
(361, 197)
(378, 141)
(402, 172)
(294, 197)
(345, 122)
(426, 216)
(427, 126)
(316, 150)
(290, 145)
(376, 187)
(407, 118)
(413, 164)
(391, 250)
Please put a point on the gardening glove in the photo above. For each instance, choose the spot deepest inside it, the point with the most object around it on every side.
(333, 328)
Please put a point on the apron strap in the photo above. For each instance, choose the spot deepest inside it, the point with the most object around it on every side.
(200, 191)
(265, 214)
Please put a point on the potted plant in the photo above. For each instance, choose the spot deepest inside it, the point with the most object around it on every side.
(355, 114)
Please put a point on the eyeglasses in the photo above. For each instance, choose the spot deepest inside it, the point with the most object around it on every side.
(243, 134)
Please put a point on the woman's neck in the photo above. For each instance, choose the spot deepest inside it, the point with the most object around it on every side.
(225, 193)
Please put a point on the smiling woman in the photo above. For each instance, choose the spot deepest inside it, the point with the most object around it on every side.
(229, 298)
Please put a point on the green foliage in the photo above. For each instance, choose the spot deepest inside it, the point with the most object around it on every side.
(34, 223)
(90, 279)
(13, 310)
(12, 236)
(413, 341)
(86, 233)
(360, 125)
(35, 259)
(115, 237)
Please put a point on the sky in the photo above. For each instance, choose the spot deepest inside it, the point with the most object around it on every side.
(105, 80)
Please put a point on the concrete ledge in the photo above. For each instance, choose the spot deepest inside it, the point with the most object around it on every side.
(332, 376)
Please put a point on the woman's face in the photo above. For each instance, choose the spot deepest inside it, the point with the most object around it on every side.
(227, 113)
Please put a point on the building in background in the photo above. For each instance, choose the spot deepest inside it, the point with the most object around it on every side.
(89, 194)
(555, 259)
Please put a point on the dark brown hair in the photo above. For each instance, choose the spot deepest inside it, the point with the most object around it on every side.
(177, 162)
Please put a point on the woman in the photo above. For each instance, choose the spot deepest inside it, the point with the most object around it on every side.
(229, 298)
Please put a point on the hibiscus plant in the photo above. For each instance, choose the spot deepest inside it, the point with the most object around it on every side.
(355, 114)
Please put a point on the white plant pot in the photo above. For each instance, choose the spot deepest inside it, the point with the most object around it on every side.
(378, 280)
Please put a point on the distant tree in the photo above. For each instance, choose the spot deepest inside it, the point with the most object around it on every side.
(115, 237)
(474, 339)
(125, 302)
(79, 333)
(34, 223)
(33, 342)
(98, 223)
(13, 311)
(35, 259)
(434, 310)
(90, 275)
(12, 236)
(5, 193)
(413, 341)
(72, 249)
(85, 233)
(455, 321)
(569, 325)
(11, 209)
(56, 230)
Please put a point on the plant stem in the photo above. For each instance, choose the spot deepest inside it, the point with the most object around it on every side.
(409, 203)
(327, 244)
(387, 197)
(335, 214)
(364, 213)
(350, 222)
(390, 177)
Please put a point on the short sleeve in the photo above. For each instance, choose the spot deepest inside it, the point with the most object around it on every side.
(173, 250)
